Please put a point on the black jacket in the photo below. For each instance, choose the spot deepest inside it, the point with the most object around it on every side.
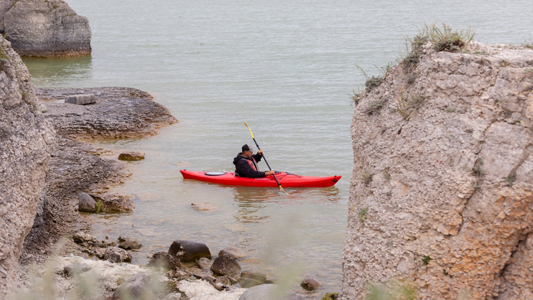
(243, 168)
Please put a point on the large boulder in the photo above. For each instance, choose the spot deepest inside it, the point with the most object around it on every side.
(226, 265)
(45, 28)
(441, 199)
(26, 141)
(188, 251)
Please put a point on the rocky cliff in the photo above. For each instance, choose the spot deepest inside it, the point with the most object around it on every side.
(441, 199)
(44, 28)
(26, 141)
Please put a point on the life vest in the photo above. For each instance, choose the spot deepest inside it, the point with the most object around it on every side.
(253, 164)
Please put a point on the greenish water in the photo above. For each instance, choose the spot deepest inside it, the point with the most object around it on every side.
(287, 68)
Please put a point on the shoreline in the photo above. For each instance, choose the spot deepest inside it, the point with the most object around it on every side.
(76, 167)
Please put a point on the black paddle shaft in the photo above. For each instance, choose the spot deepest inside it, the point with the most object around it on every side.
(266, 162)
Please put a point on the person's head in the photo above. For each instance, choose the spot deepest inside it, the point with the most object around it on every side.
(247, 151)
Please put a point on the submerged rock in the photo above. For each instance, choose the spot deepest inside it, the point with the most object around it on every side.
(310, 283)
(268, 292)
(45, 28)
(235, 252)
(249, 279)
(131, 156)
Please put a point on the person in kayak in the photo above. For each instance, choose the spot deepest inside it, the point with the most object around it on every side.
(246, 163)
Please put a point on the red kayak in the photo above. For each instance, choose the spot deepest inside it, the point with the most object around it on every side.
(285, 179)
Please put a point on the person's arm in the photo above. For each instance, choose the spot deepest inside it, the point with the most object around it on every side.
(258, 156)
(244, 168)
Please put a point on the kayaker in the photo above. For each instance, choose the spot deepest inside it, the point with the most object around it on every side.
(246, 163)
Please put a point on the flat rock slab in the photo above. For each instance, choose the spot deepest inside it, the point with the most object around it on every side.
(117, 112)
(83, 99)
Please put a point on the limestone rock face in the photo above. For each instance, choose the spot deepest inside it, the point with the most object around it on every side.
(441, 194)
(26, 141)
(45, 28)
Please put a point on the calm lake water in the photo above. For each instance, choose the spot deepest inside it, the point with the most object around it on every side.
(287, 68)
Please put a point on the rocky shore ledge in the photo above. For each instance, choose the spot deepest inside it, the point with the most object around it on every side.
(75, 168)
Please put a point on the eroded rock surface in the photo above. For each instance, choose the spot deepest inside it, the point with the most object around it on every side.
(118, 113)
(441, 194)
(26, 142)
(44, 28)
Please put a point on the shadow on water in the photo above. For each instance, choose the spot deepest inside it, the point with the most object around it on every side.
(59, 71)
(252, 201)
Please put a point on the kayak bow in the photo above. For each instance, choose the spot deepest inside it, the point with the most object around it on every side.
(285, 179)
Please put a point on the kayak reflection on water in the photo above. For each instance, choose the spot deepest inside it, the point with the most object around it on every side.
(256, 205)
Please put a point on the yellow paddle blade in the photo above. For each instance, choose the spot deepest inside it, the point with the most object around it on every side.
(281, 189)
(249, 129)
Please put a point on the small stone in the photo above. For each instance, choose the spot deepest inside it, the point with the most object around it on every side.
(82, 99)
(117, 255)
(86, 203)
(164, 260)
(204, 263)
(128, 244)
(131, 156)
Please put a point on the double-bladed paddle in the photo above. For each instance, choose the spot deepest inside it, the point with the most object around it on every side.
(279, 184)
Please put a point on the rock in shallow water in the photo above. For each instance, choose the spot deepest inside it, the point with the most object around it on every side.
(131, 156)
(164, 260)
(310, 284)
(128, 244)
(117, 255)
(86, 203)
(226, 265)
(188, 251)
